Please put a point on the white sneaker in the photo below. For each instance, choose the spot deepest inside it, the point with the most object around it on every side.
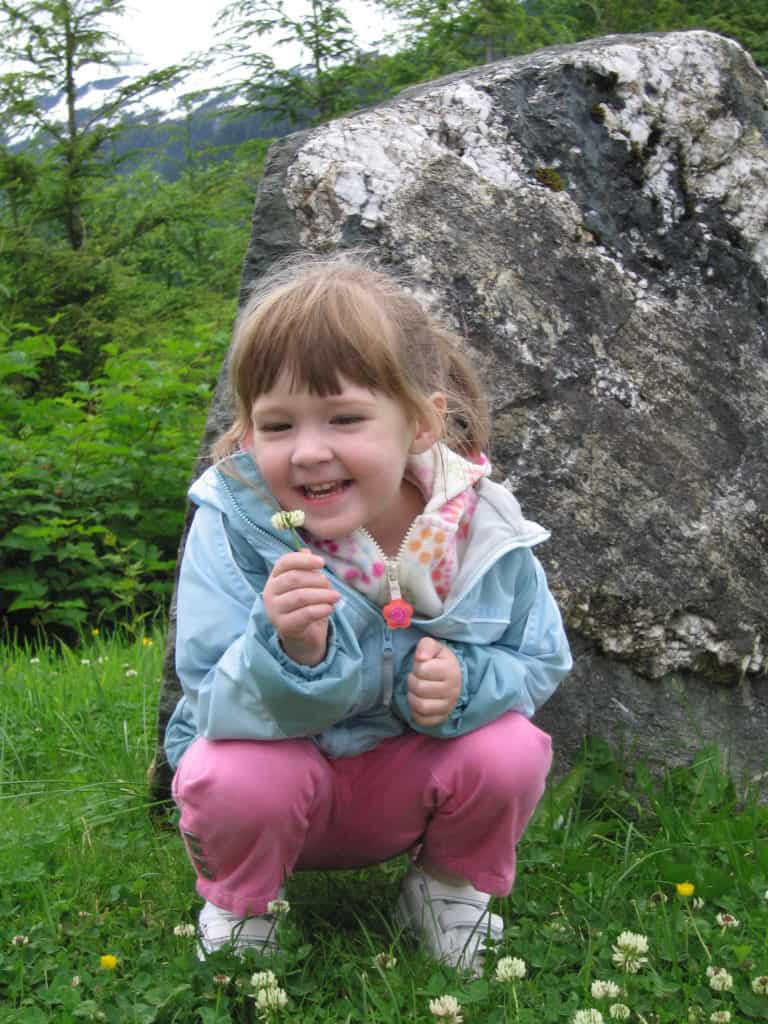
(452, 922)
(217, 927)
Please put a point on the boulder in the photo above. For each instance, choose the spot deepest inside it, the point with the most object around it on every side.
(593, 220)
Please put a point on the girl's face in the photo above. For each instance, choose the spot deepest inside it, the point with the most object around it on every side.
(340, 459)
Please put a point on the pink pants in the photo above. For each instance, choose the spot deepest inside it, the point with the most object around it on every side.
(253, 812)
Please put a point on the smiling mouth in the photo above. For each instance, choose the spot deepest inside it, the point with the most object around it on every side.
(315, 491)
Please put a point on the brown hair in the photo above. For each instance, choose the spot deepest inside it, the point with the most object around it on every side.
(319, 319)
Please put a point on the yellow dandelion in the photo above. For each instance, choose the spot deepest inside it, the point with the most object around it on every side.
(685, 888)
(94, 631)
(108, 962)
(147, 642)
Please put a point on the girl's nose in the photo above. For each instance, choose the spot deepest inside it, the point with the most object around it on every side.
(310, 448)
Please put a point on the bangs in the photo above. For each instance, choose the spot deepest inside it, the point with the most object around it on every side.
(320, 332)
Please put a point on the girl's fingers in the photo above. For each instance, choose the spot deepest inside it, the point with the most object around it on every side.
(294, 600)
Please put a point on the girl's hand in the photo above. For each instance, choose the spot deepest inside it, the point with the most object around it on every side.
(434, 684)
(298, 600)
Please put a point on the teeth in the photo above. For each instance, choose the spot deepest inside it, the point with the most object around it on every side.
(322, 488)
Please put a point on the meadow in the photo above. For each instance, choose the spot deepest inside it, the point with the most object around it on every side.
(639, 897)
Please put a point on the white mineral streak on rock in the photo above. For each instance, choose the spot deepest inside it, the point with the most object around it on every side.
(677, 88)
(357, 166)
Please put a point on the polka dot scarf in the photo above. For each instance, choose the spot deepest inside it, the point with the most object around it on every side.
(435, 544)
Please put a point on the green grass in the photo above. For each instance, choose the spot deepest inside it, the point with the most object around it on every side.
(85, 871)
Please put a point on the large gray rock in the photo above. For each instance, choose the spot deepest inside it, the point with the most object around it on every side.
(593, 219)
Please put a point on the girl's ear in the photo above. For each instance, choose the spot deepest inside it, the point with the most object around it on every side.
(429, 430)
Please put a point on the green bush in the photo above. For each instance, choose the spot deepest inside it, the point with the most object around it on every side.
(95, 477)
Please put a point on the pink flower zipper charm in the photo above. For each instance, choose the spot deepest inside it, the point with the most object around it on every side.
(398, 612)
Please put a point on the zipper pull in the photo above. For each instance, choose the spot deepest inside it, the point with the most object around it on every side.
(398, 612)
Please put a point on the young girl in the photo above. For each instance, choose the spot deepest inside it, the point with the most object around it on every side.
(365, 691)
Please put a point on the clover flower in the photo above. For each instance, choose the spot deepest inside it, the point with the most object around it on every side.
(697, 902)
(720, 1017)
(221, 979)
(685, 888)
(587, 1017)
(264, 979)
(75, 982)
(510, 968)
(20, 940)
(446, 1009)
(270, 999)
(619, 1011)
(628, 952)
(605, 990)
(385, 961)
(130, 673)
(278, 907)
(719, 979)
(34, 661)
(108, 962)
(290, 521)
(184, 930)
(760, 985)
(727, 921)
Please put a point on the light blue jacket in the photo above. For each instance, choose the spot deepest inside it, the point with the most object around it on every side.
(500, 620)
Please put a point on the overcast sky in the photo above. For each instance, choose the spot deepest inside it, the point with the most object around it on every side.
(161, 32)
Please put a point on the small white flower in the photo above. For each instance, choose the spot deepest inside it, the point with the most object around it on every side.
(278, 907)
(760, 985)
(270, 999)
(131, 672)
(605, 990)
(765, 895)
(286, 520)
(85, 661)
(221, 979)
(619, 1011)
(628, 952)
(447, 1009)
(75, 981)
(697, 902)
(20, 940)
(385, 961)
(727, 921)
(34, 661)
(184, 930)
(510, 968)
(719, 979)
(263, 979)
(720, 1017)
(587, 1017)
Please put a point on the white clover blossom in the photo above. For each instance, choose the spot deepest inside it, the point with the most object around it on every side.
(760, 985)
(446, 1009)
(719, 979)
(221, 979)
(720, 1017)
(619, 1011)
(587, 1017)
(75, 983)
(727, 921)
(288, 520)
(270, 999)
(34, 661)
(20, 940)
(510, 968)
(85, 661)
(184, 930)
(605, 990)
(385, 961)
(278, 907)
(629, 950)
(129, 673)
(263, 979)
(697, 902)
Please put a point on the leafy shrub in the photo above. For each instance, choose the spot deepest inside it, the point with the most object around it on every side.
(94, 478)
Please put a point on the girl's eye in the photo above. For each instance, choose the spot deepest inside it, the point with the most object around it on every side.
(344, 421)
(273, 428)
